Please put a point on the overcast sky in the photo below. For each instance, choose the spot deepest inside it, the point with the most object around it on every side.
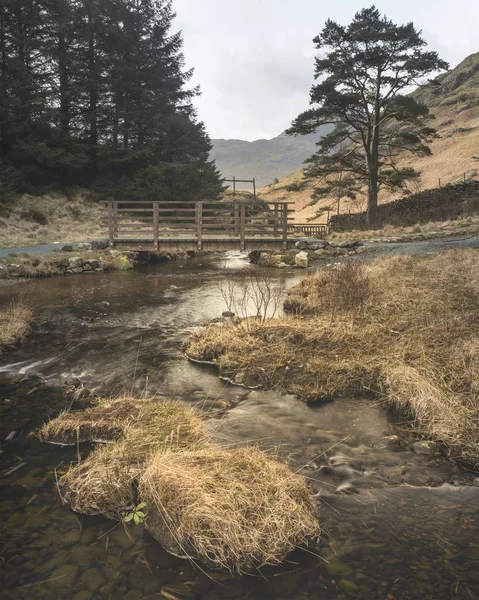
(254, 58)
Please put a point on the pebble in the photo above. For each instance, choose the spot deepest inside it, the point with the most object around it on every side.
(92, 579)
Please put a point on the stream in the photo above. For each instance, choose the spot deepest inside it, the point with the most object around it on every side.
(396, 525)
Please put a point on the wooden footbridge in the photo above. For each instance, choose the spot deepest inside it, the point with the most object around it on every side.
(187, 226)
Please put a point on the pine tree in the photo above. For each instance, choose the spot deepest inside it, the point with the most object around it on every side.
(364, 69)
(94, 92)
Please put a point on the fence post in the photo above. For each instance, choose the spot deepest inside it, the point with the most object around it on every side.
(285, 225)
(243, 226)
(254, 187)
(199, 225)
(234, 185)
(111, 226)
(276, 219)
(156, 224)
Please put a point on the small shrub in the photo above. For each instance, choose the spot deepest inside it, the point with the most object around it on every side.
(34, 214)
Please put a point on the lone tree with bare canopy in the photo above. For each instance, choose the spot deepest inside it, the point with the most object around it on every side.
(364, 69)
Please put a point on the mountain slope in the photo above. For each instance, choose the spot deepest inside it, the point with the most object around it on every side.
(263, 159)
(453, 98)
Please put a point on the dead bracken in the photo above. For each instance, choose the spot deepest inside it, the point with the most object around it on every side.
(234, 510)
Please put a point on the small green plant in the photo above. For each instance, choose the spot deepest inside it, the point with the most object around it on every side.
(417, 228)
(136, 515)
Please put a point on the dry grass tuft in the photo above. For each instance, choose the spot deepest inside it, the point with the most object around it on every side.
(235, 510)
(105, 482)
(15, 322)
(403, 328)
(143, 423)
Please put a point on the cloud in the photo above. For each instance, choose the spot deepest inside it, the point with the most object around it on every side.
(254, 58)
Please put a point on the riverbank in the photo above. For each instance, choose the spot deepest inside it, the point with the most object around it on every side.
(27, 220)
(434, 230)
(15, 322)
(403, 329)
(27, 266)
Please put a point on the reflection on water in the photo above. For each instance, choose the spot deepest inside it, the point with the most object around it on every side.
(408, 529)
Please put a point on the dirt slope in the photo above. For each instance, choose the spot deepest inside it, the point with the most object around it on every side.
(453, 99)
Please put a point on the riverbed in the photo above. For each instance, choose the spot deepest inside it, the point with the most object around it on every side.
(396, 524)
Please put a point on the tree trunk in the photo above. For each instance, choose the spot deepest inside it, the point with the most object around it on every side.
(92, 91)
(373, 166)
(64, 83)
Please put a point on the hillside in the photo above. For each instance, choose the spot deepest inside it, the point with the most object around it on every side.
(453, 99)
(263, 159)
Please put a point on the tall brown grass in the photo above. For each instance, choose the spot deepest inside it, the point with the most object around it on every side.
(403, 328)
(15, 322)
(50, 218)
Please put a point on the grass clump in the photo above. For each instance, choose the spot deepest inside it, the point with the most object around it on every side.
(141, 422)
(238, 510)
(231, 509)
(403, 328)
(15, 322)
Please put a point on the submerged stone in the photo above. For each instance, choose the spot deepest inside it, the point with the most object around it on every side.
(64, 576)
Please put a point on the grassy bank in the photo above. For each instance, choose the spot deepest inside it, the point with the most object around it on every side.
(29, 220)
(15, 322)
(403, 328)
(434, 229)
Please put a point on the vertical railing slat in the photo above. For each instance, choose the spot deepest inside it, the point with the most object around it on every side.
(243, 226)
(156, 224)
(111, 225)
(199, 224)
(285, 225)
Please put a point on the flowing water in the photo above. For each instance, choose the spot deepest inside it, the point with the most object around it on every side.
(396, 525)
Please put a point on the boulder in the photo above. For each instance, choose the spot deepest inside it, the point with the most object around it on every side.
(301, 260)
(83, 246)
(75, 261)
(94, 264)
(122, 263)
(99, 244)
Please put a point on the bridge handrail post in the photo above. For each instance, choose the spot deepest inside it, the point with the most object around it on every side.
(111, 225)
(285, 225)
(199, 224)
(276, 219)
(156, 224)
(236, 209)
(243, 226)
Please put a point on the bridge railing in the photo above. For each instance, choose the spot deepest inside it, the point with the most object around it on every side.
(308, 229)
(164, 221)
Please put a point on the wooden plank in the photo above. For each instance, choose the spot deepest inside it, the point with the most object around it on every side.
(242, 226)
(115, 218)
(285, 226)
(111, 227)
(199, 222)
(156, 224)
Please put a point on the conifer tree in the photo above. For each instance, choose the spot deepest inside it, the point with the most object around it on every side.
(364, 70)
